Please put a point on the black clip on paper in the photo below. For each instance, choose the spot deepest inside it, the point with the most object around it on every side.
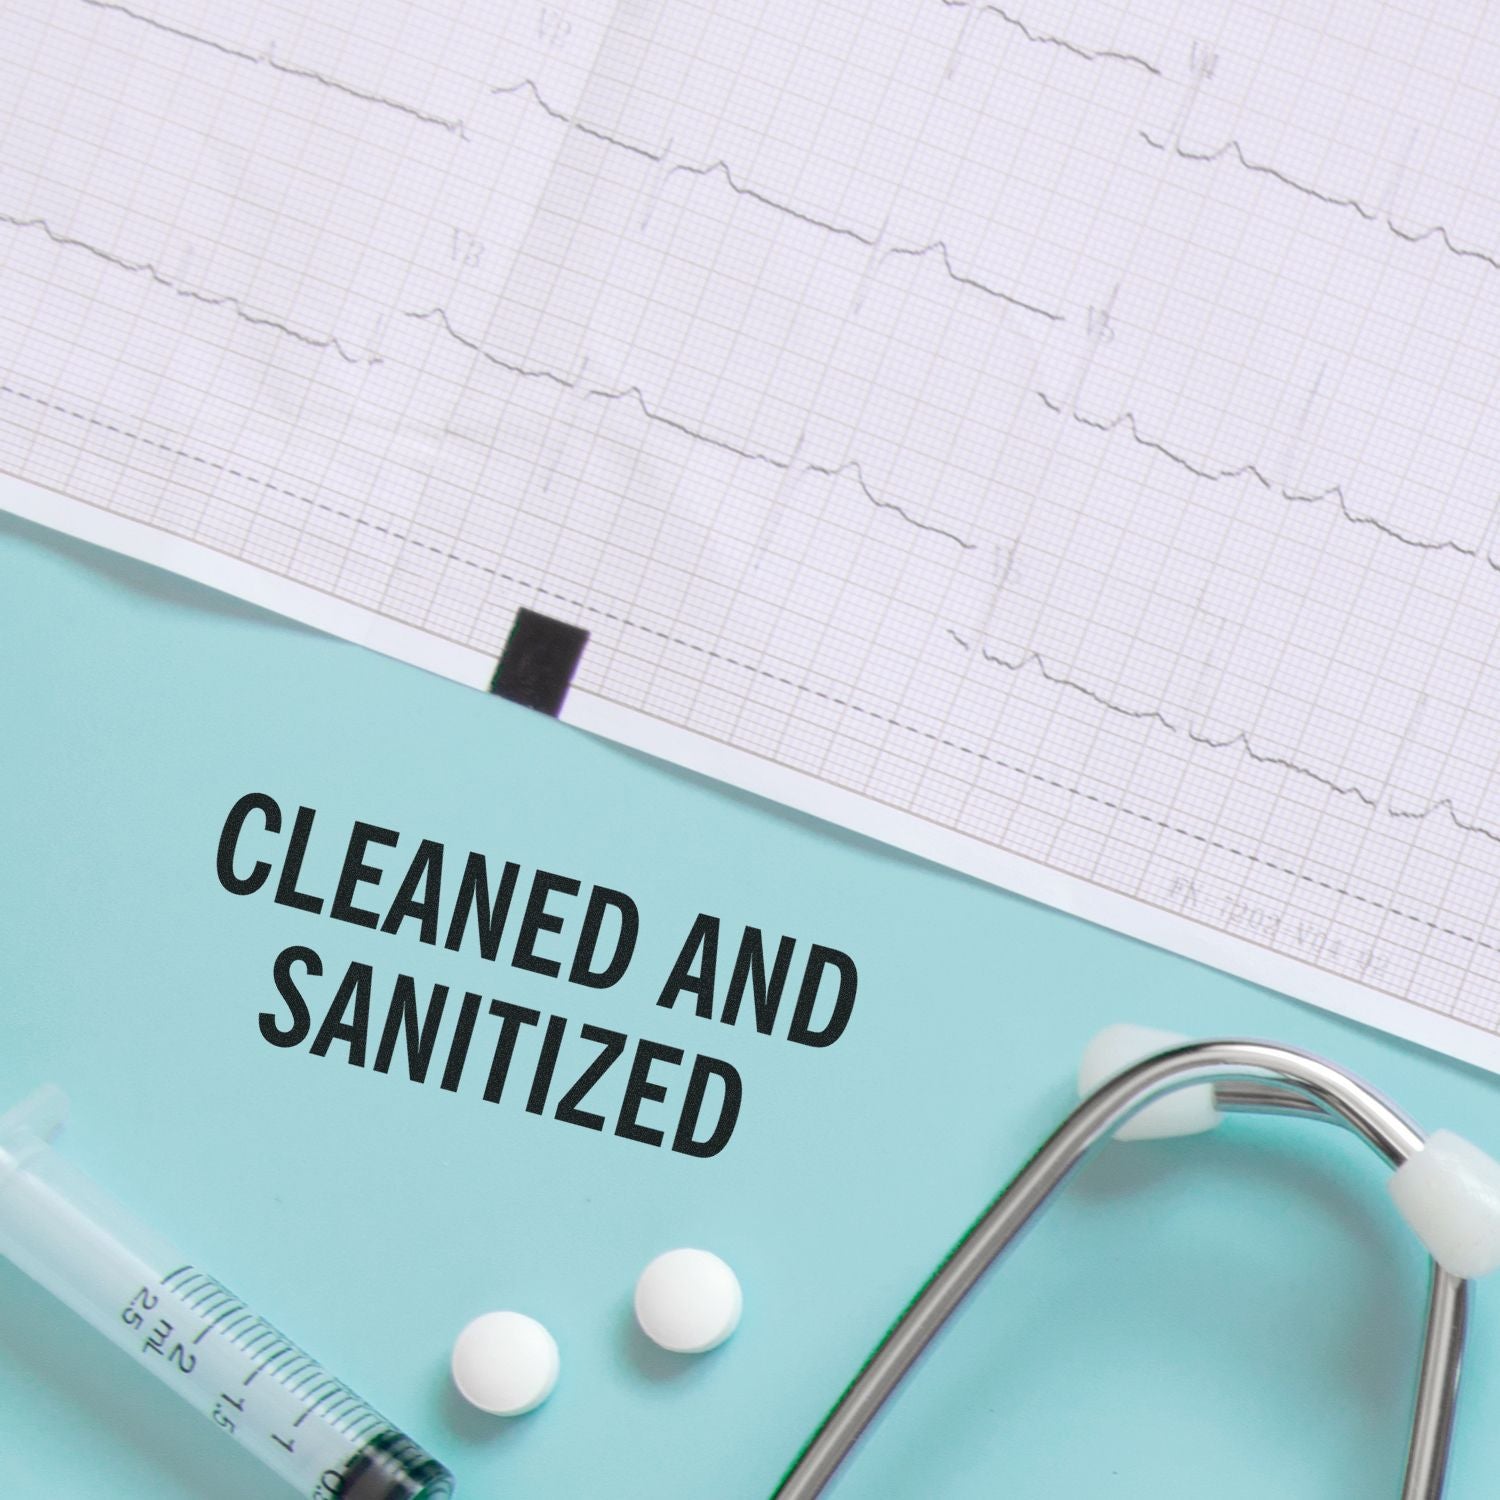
(537, 666)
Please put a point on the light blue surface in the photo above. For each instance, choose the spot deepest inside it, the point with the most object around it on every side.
(1234, 1316)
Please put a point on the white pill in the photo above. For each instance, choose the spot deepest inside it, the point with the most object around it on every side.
(688, 1301)
(505, 1363)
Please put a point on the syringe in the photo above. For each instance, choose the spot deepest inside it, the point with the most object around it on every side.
(182, 1325)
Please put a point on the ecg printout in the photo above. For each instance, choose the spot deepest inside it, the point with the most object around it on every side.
(1058, 437)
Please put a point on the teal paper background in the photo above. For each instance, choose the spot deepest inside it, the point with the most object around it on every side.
(1234, 1315)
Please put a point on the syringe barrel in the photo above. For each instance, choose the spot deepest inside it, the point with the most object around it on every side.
(66, 1233)
(254, 1384)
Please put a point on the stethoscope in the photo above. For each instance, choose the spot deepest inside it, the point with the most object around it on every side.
(1137, 1083)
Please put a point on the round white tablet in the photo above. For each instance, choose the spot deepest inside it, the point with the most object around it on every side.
(688, 1301)
(505, 1363)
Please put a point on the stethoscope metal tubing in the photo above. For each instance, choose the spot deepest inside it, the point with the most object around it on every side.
(1445, 1331)
(1250, 1076)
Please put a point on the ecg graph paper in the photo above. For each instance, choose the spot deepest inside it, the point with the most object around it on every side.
(1057, 438)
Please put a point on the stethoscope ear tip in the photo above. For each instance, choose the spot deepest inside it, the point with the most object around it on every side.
(1449, 1193)
(1187, 1111)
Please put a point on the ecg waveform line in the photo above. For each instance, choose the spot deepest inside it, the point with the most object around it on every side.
(1126, 422)
(1233, 150)
(636, 397)
(938, 248)
(1240, 741)
(269, 60)
(208, 299)
(1044, 39)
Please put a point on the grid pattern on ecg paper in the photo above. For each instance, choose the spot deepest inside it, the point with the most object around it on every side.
(1068, 425)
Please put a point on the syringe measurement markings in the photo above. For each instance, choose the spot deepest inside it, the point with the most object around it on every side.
(338, 1406)
(253, 1342)
(225, 1308)
(208, 1327)
(214, 1297)
(330, 1403)
(309, 1379)
(223, 1304)
(284, 1376)
(235, 1320)
(272, 1347)
(197, 1290)
(255, 1336)
(355, 1420)
(335, 1403)
(330, 1387)
(181, 1291)
(287, 1351)
(344, 1412)
(343, 1398)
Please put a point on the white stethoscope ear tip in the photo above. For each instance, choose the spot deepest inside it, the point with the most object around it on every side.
(1187, 1111)
(1449, 1193)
